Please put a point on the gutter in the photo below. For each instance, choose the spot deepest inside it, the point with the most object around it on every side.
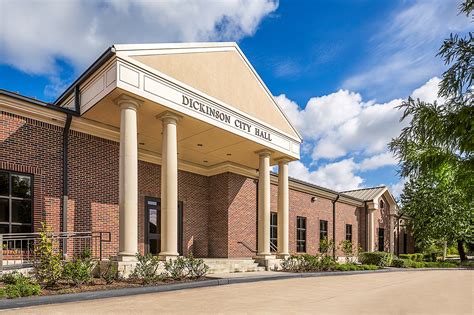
(66, 129)
(109, 52)
(334, 225)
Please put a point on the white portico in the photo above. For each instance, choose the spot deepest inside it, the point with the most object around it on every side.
(197, 107)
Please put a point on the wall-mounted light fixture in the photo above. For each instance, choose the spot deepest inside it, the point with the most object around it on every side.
(313, 199)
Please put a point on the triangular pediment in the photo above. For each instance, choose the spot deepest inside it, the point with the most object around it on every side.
(220, 70)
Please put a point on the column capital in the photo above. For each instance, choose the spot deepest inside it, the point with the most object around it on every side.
(127, 101)
(169, 116)
(282, 160)
(264, 152)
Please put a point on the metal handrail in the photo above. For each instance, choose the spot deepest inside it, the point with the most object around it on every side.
(18, 250)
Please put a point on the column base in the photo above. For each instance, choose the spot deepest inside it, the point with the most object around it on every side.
(282, 256)
(167, 256)
(122, 256)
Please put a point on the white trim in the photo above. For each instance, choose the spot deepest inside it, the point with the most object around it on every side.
(165, 84)
(174, 48)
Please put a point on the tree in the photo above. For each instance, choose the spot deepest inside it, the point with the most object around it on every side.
(435, 150)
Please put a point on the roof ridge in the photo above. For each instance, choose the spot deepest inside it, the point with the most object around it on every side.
(375, 187)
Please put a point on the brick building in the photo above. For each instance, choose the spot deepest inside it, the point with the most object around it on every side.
(169, 148)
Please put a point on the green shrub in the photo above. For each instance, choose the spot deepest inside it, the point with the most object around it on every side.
(430, 257)
(413, 257)
(325, 246)
(327, 263)
(48, 269)
(381, 259)
(20, 285)
(146, 268)
(196, 267)
(176, 268)
(109, 272)
(347, 249)
(78, 271)
(290, 264)
(11, 277)
(369, 267)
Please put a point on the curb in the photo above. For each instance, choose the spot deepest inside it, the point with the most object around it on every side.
(86, 296)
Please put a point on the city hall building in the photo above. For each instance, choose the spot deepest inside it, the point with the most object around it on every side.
(169, 148)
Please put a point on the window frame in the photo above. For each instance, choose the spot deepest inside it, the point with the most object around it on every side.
(12, 198)
(273, 228)
(349, 233)
(381, 236)
(301, 243)
(325, 231)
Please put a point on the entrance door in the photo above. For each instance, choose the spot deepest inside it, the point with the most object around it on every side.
(153, 226)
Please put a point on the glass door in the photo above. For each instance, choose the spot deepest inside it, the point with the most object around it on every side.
(152, 225)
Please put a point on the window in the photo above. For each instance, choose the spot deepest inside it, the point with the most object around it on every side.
(381, 240)
(301, 234)
(273, 231)
(349, 232)
(405, 241)
(16, 208)
(323, 229)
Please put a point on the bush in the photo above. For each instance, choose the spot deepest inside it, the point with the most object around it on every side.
(146, 268)
(430, 257)
(370, 267)
(290, 264)
(347, 249)
(109, 272)
(48, 270)
(325, 246)
(78, 271)
(176, 268)
(401, 263)
(413, 257)
(381, 259)
(196, 267)
(19, 285)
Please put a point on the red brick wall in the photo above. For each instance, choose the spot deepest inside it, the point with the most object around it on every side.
(33, 147)
(218, 215)
(242, 216)
(320, 209)
(219, 211)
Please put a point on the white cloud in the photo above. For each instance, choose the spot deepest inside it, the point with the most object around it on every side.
(338, 176)
(397, 188)
(34, 34)
(404, 50)
(428, 92)
(377, 161)
(353, 133)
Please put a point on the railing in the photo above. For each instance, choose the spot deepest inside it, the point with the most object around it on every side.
(20, 250)
(273, 248)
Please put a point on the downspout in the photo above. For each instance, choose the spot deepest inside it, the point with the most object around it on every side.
(334, 226)
(66, 129)
(366, 226)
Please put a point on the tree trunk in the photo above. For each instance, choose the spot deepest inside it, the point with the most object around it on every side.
(462, 253)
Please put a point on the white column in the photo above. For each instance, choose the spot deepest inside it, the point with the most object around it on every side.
(169, 186)
(264, 205)
(128, 178)
(391, 226)
(371, 230)
(283, 208)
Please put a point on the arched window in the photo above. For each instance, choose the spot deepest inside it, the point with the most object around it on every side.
(381, 204)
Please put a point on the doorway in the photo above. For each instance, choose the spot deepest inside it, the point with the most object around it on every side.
(153, 226)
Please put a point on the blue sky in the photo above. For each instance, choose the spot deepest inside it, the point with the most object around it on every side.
(338, 68)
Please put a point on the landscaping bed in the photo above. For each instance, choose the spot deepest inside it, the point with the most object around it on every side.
(52, 276)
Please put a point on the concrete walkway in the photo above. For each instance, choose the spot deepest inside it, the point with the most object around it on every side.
(416, 292)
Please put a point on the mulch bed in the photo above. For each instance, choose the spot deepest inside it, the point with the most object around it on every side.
(101, 285)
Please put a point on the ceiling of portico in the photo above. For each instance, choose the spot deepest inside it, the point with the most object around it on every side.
(198, 142)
